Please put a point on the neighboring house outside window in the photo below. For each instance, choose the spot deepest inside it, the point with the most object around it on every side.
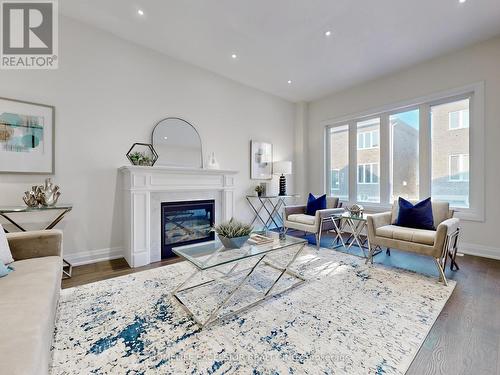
(458, 119)
(405, 132)
(339, 162)
(368, 173)
(368, 159)
(335, 173)
(368, 139)
(459, 167)
(450, 139)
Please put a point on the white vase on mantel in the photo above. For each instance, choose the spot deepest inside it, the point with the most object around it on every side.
(212, 162)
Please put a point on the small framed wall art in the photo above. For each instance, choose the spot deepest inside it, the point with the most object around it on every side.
(261, 160)
(27, 134)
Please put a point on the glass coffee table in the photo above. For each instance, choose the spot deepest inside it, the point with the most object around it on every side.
(228, 281)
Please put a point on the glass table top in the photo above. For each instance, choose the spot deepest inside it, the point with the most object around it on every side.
(274, 196)
(10, 209)
(212, 254)
(348, 215)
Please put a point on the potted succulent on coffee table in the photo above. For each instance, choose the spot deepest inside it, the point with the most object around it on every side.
(233, 234)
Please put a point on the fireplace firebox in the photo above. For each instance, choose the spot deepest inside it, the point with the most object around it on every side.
(185, 223)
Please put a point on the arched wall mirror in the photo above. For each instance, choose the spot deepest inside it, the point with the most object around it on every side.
(177, 143)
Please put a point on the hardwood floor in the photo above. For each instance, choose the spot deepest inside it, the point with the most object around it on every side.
(90, 273)
(465, 338)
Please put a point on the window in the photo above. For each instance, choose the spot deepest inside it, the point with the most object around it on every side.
(368, 159)
(450, 153)
(335, 173)
(368, 173)
(413, 150)
(458, 119)
(459, 168)
(368, 139)
(338, 161)
(405, 133)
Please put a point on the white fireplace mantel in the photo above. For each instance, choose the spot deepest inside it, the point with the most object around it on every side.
(144, 187)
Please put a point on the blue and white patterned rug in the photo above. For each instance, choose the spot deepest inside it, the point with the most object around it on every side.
(347, 318)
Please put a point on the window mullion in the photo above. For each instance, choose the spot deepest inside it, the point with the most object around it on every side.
(353, 162)
(384, 159)
(328, 168)
(425, 152)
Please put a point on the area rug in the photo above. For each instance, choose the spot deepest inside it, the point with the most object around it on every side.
(347, 318)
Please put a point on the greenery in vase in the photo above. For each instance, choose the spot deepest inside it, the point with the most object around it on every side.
(140, 158)
(233, 229)
(259, 189)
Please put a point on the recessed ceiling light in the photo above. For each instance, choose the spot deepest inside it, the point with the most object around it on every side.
(234, 56)
(289, 81)
(328, 33)
(140, 12)
(462, 1)
(165, 137)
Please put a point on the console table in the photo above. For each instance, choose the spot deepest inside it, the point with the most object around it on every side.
(65, 208)
(266, 208)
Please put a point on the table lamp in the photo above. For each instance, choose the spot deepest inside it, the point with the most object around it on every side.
(283, 168)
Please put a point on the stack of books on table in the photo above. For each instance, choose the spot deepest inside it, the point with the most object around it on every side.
(259, 239)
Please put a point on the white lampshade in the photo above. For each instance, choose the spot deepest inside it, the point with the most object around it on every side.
(282, 167)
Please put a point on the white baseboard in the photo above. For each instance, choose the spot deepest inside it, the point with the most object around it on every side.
(94, 256)
(479, 250)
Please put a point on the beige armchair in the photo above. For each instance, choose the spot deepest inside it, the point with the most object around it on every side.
(382, 232)
(295, 217)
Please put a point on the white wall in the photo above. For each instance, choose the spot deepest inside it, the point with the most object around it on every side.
(300, 166)
(109, 93)
(480, 62)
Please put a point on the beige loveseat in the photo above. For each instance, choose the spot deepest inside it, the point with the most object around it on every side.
(295, 217)
(382, 232)
(28, 300)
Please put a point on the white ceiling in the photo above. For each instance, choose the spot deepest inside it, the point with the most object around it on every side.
(281, 40)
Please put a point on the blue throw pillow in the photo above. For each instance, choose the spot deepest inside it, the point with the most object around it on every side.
(4, 270)
(417, 216)
(314, 204)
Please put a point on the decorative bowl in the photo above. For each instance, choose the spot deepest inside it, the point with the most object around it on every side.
(233, 243)
(356, 210)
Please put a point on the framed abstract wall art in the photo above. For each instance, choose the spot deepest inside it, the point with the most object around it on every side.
(26, 137)
(261, 160)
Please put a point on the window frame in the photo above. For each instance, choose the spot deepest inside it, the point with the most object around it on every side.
(474, 92)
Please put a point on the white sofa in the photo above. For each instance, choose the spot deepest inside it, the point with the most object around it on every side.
(28, 301)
